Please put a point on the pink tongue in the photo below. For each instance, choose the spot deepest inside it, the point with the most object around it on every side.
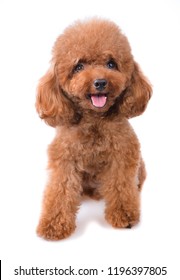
(98, 101)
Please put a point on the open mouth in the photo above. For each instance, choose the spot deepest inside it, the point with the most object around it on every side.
(98, 100)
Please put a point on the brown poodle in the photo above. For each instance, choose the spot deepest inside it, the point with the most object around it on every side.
(91, 89)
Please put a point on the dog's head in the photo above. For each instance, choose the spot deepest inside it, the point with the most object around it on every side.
(92, 69)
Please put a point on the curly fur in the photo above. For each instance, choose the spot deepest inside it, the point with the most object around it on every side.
(95, 151)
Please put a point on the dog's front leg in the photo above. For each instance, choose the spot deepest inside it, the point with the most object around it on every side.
(60, 204)
(122, 199)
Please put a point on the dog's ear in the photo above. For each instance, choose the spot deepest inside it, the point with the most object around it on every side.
(137, 94)
(51, 104)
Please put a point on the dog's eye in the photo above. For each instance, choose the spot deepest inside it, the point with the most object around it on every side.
(111, 64)
(78, 68)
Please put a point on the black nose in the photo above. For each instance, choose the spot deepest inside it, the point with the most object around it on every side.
(100, 84)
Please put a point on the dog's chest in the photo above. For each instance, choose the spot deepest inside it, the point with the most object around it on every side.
(92, 148)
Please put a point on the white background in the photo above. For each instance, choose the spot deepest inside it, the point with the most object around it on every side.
(28, 30)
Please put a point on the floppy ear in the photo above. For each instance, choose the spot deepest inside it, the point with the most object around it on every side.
(51, 104)
(137, 94)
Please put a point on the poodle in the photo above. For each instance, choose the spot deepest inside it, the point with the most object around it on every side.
(92, 88)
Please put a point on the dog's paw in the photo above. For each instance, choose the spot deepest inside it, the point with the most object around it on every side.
(55, 229)
(121, 219)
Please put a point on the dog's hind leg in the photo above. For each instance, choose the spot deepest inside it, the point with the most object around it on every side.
(141, 175)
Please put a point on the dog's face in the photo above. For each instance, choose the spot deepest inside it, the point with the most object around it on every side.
(93, 64)
(92, 69)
